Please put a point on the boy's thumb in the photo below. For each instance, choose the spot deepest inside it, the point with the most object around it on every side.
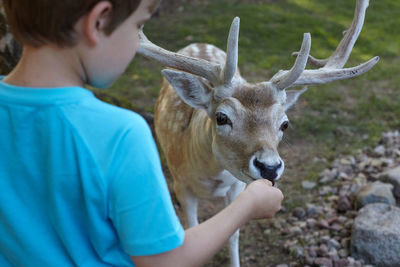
(267, 182)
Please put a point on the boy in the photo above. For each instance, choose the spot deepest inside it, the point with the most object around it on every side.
(81, 182)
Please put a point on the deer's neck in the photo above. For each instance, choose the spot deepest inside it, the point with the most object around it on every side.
(200, 148)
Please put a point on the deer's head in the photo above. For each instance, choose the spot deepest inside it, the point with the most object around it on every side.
(248, 120)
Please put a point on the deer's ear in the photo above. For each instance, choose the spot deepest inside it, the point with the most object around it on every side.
(291, 97)
(192, 90)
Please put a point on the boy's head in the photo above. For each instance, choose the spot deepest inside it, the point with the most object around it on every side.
(39, 22)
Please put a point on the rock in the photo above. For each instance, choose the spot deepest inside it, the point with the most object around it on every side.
(376, 163)
(393, 177)
(326, 262)
(364, 164)
(343, 204)
(345, 242)
(312, 251)
(360, 180)
(292, 220)
(376, 235)
(336, 227)
(313, 209)
(309, 261)
(341, 263)
(379, 151)
(323, 224)
(295, 230)
(285, 231)
(299, 212)
(296, 251)
(301, 224)
(376, 192)
(311, 223)
(348, 224)
(332, 243)
(267, 232)
(343, 176)
(333, 254)
(328, 176)
(347, 161)
(322, 250)
(390, 138)
(343, 253)
(325, 190)
(308, 185)
(388, 162)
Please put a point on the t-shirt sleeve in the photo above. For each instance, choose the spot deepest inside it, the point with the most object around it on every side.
(140, 205)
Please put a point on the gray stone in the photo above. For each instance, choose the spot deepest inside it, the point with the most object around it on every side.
(296, 251)
(327, 176)
(376, 235)
(341, 263)
(376, 192)
(379, 150)
(311, 223)
(308, 185)
(295, 230)
(326, 262)
(343, 204)
(322, 250)
(325, 190)
(332, 243)
(377, 163)
(299, 212)
(343, 253)
(393, 176)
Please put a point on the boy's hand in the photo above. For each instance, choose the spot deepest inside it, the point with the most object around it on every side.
(264, 199)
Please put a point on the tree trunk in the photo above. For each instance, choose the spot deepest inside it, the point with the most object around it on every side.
(10, 50)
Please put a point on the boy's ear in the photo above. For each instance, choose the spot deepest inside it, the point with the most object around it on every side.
(190, 88)
(291, 97)
(95, 21)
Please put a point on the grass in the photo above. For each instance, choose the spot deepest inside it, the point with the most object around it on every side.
(328, 120)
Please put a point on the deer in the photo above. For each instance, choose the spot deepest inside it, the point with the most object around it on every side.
(217, 131)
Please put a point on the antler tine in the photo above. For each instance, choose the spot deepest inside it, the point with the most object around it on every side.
(284, 79)
(342, 53)
(232, 52)
(339, 58)
(324, 75)
(313, 61)
(203, 68)
(331, 69)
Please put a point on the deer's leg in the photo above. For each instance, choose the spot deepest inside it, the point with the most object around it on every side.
(189, 202)
(233, 192)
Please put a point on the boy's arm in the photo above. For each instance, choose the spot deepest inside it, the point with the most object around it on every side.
(259, 200)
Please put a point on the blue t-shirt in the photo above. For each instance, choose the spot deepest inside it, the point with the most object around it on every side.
(80, 182)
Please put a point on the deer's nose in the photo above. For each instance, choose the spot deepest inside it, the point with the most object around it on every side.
(267, 171)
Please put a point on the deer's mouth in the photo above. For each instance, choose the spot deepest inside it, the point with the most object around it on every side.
(247, 177)
(250, 178)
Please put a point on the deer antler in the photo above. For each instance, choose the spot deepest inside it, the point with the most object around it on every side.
(331, 69)
(211, 71)
(289, 77)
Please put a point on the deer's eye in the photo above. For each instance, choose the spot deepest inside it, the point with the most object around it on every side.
(284, 126)
(222, 119)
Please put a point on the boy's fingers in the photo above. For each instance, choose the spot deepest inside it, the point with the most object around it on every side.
(267, 182)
